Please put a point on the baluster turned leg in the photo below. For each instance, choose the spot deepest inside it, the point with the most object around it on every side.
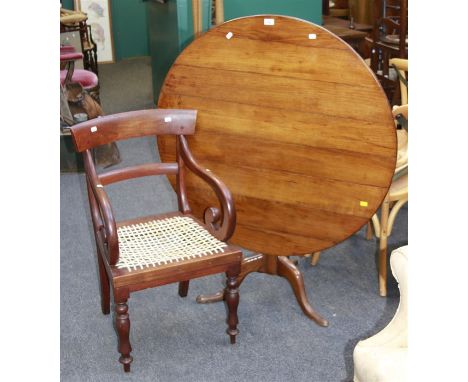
(231, 297)
(122, 323)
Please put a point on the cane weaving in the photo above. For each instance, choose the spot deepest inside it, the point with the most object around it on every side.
(164, 241)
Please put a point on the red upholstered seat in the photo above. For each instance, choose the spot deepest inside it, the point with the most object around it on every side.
(86, 78)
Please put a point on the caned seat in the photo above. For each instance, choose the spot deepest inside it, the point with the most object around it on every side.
(157, 241)
(151, 251)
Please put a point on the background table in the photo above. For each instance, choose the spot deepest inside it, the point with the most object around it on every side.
(296, 125)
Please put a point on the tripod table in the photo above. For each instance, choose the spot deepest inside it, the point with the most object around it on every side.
(299, 129)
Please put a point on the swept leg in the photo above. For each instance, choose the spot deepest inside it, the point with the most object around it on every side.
(249, 265)
(288, 270)
(105, 288)
(383, 248)
(183, 288)
(122, 323)
(231, 297)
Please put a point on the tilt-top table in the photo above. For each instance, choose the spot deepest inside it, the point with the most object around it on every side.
(296, 125)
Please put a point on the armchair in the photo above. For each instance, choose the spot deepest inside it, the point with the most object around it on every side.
(156, 250)
(383, 357)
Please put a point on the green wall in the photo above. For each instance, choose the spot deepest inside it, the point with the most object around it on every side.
(129, 27)
(310, 10)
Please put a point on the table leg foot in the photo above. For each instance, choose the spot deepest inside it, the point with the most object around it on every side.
(288, 270)
(249, 265)
(209, 298)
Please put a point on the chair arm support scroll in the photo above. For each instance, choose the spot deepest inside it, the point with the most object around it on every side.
(103, 210)
(224, 230)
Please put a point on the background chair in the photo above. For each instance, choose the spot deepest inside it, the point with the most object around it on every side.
(76, 21)
(156, 250)
(68, 74)
(401, 68)
(383, 357)
(396, 198)
(389, 39)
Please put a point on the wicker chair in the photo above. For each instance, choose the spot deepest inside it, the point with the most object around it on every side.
(156, 250)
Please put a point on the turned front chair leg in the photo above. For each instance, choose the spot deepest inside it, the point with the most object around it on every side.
(122, 323)
(183, 288)
(231, 297)
(383, 248)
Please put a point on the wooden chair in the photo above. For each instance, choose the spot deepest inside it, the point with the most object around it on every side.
(396, 198)
(401, 66)
(389, 39)
(156, 250)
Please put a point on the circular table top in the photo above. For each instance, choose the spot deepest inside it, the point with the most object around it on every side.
(295, 124)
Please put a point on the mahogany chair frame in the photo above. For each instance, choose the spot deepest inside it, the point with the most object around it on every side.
(220, 222)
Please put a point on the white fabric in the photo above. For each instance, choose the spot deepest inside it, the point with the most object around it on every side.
(383, 357)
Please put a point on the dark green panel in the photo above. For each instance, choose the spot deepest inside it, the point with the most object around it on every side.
(170, 30)
(129, 28)
(310, 10)
(68, 4)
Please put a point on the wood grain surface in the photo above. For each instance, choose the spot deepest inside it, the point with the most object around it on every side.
(298, 128)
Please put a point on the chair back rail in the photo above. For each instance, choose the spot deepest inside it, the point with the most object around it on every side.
(133, 124)
(147, 169)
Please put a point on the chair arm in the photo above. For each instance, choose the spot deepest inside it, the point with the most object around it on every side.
(103, 210)
(70, 56)
(400, 63)
(221, 230)
(69, 59)
(67, 49)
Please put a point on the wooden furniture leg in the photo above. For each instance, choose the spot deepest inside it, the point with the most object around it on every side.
(105, 286)
(314, 258)
(122, 324)
(183, 288)
(249, 265)
(231, 297)
(369, 232)
(383, 248)
(197, 17)
(273, 265)
(286, 269)
(219, 12)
